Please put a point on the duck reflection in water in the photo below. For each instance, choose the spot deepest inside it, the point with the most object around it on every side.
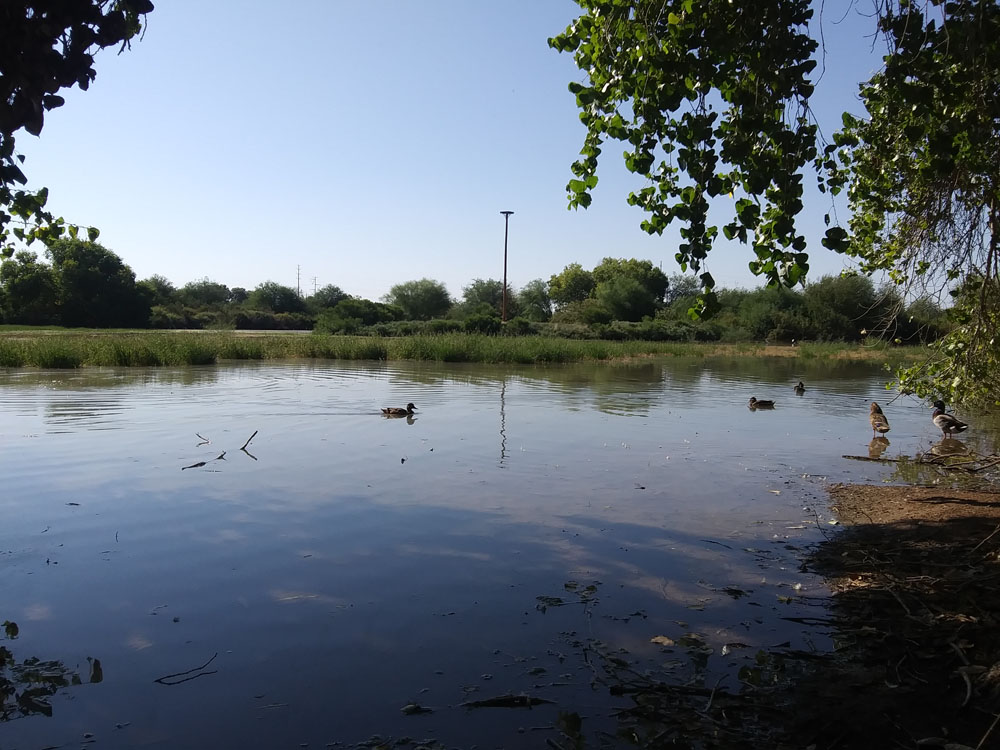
(877, 446)
(410, 418)
(950, 447)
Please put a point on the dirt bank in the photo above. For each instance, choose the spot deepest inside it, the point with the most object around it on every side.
(916, 615)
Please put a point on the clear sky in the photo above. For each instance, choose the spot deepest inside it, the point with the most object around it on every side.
(369, 143)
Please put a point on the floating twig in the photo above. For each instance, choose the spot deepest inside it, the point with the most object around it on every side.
(194, 466)
(163, 680)
(248, 440)
(204, 440)
(874, 460)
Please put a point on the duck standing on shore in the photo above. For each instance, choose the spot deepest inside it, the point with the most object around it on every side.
(947, 423)
(878, 420)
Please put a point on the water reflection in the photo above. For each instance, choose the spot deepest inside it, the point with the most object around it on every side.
(877, 447)
(408, 418)
(644, 497)
(28, 685)
(950, 447)
(503, 421)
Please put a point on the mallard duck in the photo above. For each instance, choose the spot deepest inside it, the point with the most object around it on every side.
(395, 411)
(754, 403)
(800, 388)
(878, 420)
(947, 423)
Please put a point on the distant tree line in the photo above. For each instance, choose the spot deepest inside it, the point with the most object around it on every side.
(85, 284)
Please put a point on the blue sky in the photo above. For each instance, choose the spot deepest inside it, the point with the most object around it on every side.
(369, 143)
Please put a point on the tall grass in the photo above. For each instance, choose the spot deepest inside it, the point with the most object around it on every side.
(52, 349)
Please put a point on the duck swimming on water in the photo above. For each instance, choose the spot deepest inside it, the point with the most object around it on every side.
(395, 411)
(800, 388)
(756, 403)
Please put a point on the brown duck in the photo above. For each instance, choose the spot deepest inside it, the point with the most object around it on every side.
(878, 420)
(395, 411)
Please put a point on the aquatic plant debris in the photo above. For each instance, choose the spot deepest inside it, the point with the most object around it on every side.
(507, 701)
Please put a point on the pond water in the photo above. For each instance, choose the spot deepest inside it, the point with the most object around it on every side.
(304, 590)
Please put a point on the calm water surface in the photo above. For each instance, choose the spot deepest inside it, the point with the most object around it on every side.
(346, 565)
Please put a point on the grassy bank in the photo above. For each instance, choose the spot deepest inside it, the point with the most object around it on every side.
(68, 349)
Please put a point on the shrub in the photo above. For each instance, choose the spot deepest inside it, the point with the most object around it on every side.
(517, 327)
(487, 324)
(441, 325)
(165, 317)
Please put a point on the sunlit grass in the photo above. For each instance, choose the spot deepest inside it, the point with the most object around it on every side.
(66, 349)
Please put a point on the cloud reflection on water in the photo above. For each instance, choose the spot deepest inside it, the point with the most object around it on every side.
(651, 482)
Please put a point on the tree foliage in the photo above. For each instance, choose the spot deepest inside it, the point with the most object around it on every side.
(924, 176)
(652, 279)
(420, 300)
(682, 286)
(46, 46)
(204, 293)
(30, 290)
(276, 298)
(534, 302)
(572, 284)
(160, 289)
(711, 99)
(626, 298)
(96, 289)
(485, 296)
(327, 296)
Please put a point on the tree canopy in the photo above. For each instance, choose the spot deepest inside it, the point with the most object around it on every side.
(276, 297)
(420, 300)
(96, 289)
(327, 296)
(46, 46)
(485, 296)
(572, 284)
(534, 302)
(711, 99)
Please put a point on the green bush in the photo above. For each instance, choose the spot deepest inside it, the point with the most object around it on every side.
(442, 325)
(517, 327)
(486, 324)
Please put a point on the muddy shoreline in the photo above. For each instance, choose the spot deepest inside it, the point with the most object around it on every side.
(916, 609)
(915, 621)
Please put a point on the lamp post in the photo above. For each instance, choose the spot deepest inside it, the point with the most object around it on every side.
(503, 298)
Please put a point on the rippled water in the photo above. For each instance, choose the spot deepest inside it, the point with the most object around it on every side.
(346, 565)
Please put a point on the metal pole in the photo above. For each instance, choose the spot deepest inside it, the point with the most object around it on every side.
(503, 302)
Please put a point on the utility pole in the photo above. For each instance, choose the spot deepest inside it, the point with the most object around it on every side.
(314, 286)
(503, 299)
(298, 280)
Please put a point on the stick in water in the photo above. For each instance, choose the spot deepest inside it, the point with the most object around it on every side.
(248, 440)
